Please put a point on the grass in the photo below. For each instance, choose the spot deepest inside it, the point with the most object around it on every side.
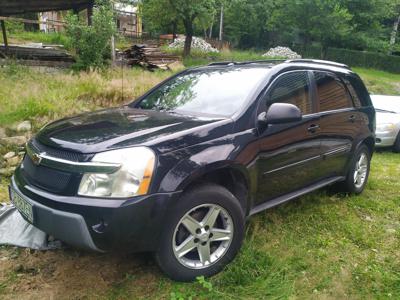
(380, 82)
(42, 96)
(321, 246)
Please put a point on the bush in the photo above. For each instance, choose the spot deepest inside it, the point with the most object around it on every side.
(92, 43)
(353, 58)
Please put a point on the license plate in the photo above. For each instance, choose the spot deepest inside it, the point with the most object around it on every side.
(23, 206)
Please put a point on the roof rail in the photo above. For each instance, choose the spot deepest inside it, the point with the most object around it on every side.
(319, 62)
(264, 61)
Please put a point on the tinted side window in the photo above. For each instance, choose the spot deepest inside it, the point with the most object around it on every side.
(293, 88)
(331, 92)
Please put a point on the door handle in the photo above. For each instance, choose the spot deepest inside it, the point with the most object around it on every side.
(352, 118)
(313, 128)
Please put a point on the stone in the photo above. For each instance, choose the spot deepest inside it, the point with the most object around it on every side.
(9, 155)
(13, 161)
(14, 140)
(197, 44)
(7, 172)
(24, 126)
(2, 133)
(176, 66)
(283, 52)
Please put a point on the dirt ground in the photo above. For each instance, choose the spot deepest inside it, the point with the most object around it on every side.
(71, 274)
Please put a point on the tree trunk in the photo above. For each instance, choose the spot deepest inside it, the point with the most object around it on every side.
(174, 29)
(221, 23)
(324, 51)
(393, 35)
(189, 37)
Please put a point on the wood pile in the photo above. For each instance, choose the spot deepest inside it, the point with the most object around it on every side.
(36, 53)
(149, 56)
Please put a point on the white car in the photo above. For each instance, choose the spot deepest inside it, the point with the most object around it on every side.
(387, 121)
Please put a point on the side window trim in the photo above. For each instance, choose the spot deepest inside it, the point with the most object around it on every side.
(263, 102)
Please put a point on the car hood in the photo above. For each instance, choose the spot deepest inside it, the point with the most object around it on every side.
(387, 117)
(126, 127)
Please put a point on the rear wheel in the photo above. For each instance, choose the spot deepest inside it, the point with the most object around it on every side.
(203, 234)
(357, 176)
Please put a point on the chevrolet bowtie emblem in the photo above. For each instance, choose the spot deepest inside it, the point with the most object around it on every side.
(36, 158)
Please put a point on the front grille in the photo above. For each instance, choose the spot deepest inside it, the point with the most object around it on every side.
(51, 180)
(73, 156)
(48, 179)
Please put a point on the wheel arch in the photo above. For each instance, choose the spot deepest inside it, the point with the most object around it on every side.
(235, 178)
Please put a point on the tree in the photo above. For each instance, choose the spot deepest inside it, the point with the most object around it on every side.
(395, 28)
(92, 43)
(162, 12)
(327, 22)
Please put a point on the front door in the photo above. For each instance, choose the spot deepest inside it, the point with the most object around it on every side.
(289, 154)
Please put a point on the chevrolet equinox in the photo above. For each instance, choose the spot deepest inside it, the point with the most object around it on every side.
(179, 170)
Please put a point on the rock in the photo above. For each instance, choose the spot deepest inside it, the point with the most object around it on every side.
(2, 133)
(7, 172)
(176, 66)
(282, 52)
(14, 140)
(24, 126)
(13, 161)
(368, 219)
(197, 44)
(9, 155)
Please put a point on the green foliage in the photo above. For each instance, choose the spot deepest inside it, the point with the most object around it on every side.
(365, 59)
(92, 43)
(13, 27)
(355, 24)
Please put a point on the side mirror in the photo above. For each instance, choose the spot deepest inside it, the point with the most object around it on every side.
(280, 113)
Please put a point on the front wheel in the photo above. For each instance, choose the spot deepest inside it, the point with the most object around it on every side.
(396, 146)
(202, 235)
(357, 176)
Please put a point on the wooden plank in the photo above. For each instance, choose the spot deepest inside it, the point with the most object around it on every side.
(14, 7)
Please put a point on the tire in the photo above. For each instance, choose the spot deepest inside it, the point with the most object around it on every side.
(396, 146)
(193, 209)
(350, 185)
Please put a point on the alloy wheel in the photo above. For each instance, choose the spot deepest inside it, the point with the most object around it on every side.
(361, 170)
(202, 236)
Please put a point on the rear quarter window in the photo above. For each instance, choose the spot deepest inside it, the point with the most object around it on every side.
(361, 95)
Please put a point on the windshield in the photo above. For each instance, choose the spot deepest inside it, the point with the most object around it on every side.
(387, 103)
(211, 92)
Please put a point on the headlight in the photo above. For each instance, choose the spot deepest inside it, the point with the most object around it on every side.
(385, 127)
(132, 179)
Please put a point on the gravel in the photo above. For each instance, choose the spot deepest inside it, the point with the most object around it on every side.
(197, 44)
(282, 52)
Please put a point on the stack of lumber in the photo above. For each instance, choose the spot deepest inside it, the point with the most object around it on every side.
(41, 54)
(149, 56)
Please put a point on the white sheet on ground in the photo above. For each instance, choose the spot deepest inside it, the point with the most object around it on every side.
(15, 231)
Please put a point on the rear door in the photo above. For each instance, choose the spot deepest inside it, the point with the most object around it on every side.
(339, 124)
(289, 153)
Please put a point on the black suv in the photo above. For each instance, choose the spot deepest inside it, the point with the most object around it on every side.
(178, 171)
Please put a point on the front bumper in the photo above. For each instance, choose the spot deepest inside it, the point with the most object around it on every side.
(385, 138)
(132, 225)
